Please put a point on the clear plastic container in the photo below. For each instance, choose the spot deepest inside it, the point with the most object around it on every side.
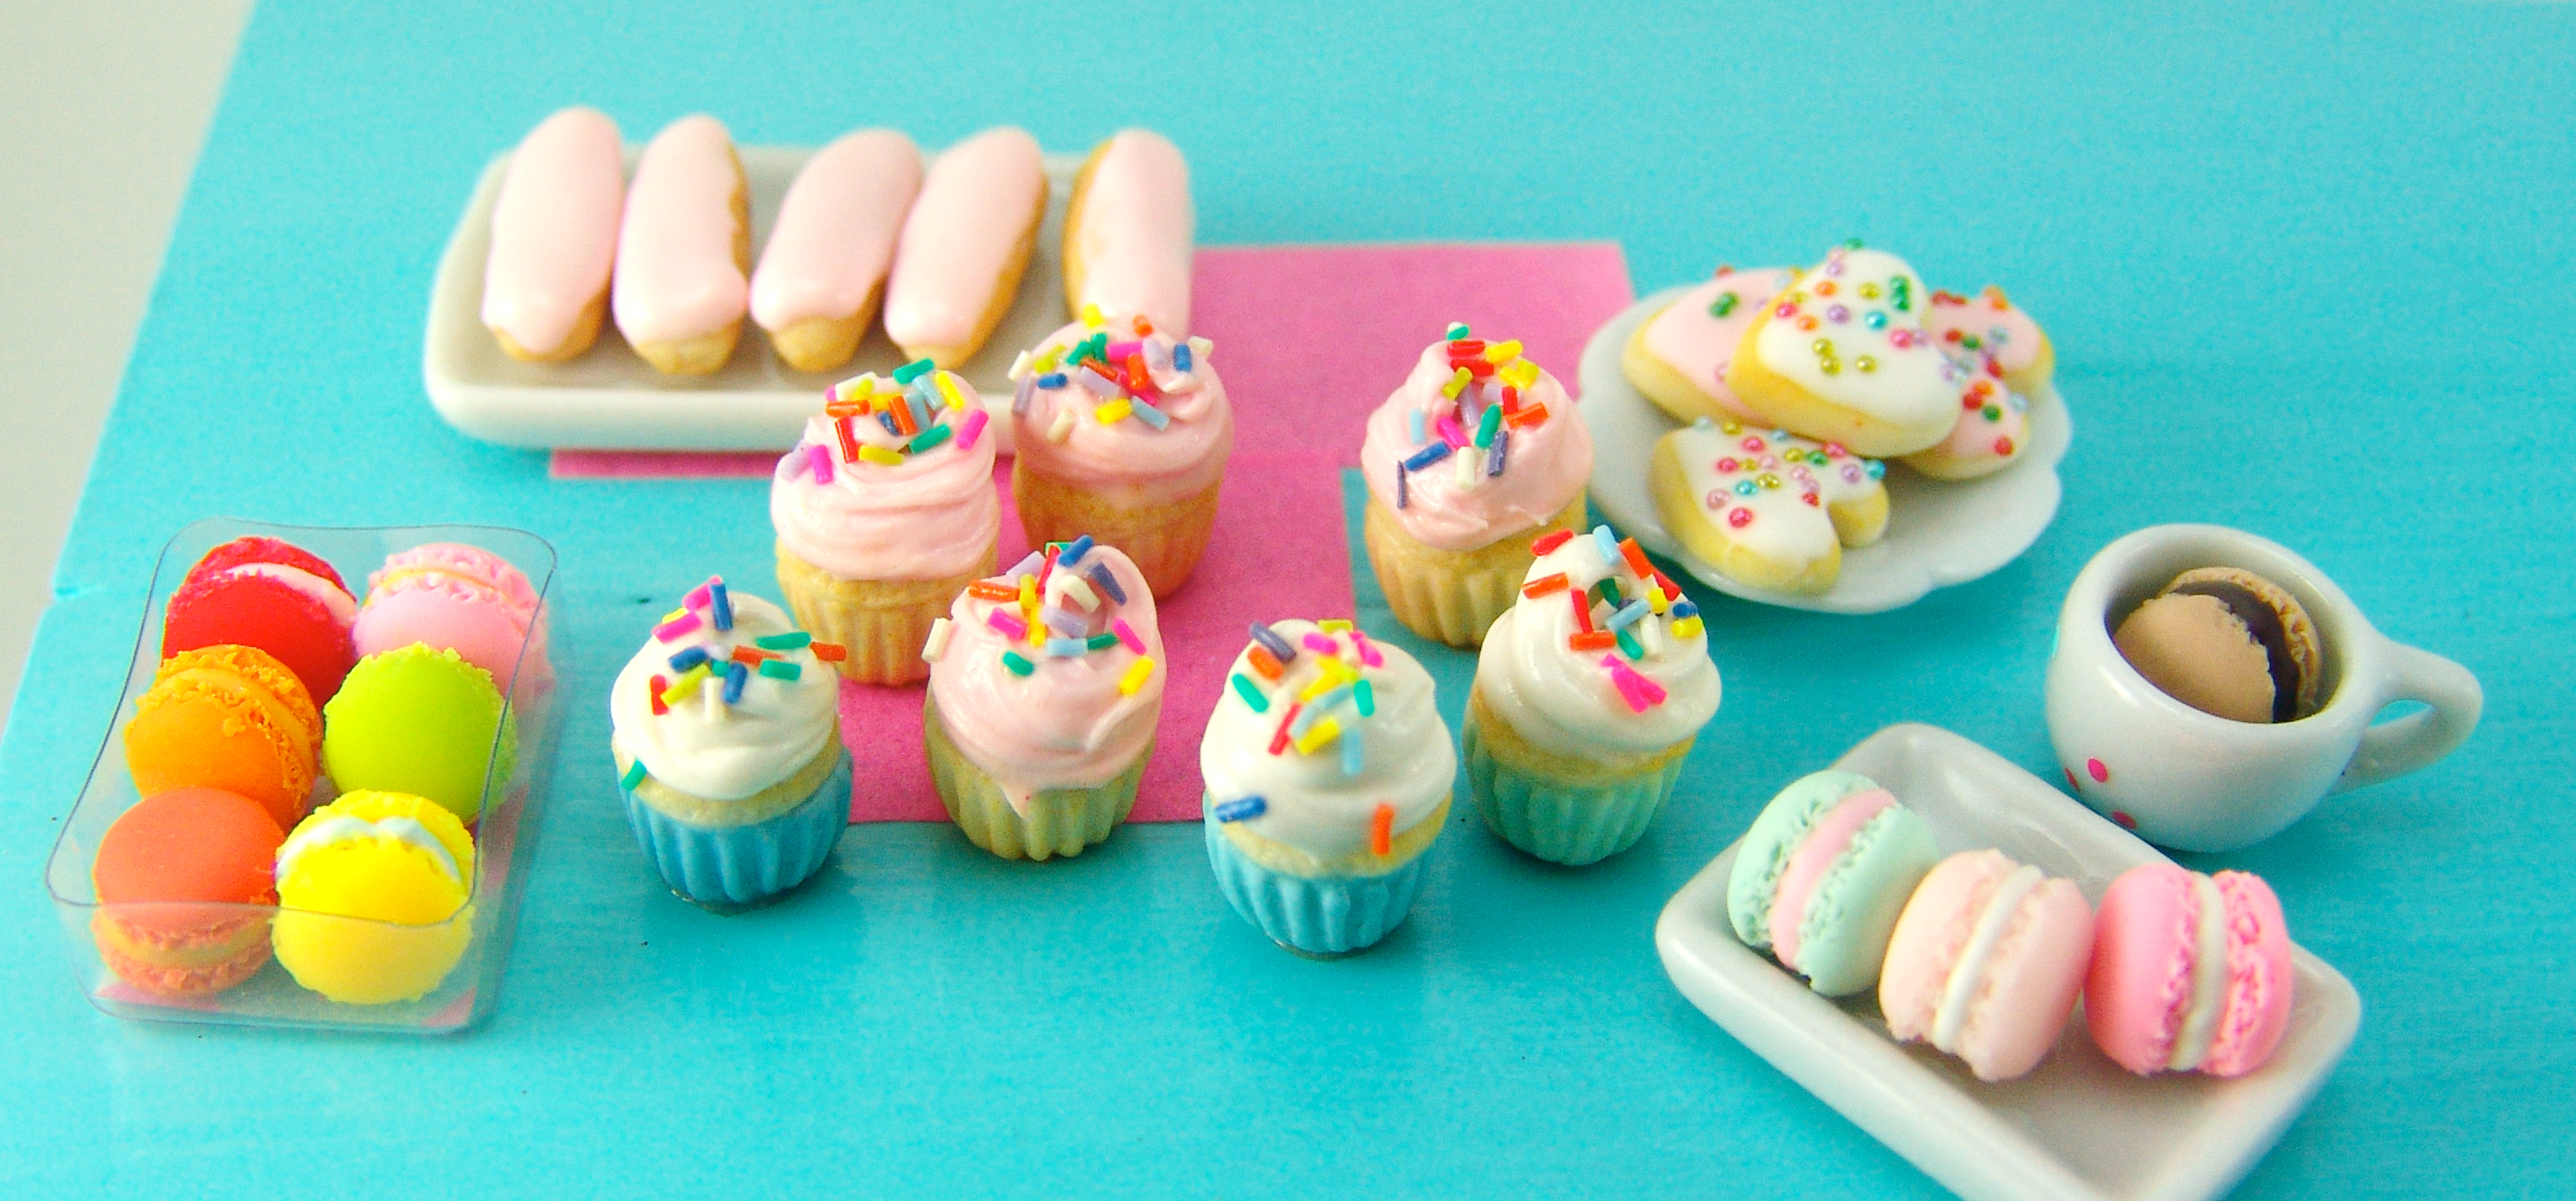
(504, 834)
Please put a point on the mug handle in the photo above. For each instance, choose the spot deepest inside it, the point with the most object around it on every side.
(2392, 749)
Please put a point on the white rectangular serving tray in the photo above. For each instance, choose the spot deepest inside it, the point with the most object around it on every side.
(611, 399)
(2079, 1128)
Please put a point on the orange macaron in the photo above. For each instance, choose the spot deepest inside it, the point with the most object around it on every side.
(228, 717)
(177, 878)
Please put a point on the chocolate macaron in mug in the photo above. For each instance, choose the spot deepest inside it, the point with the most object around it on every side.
(2209, 687)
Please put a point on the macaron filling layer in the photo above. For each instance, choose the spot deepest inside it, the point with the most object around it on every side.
(1959, 990)
(342, 828)
(2199, 1025)
(1813, 862)
(2264, 627)
(333, 599)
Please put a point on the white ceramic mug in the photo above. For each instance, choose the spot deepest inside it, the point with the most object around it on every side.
(2194, 781)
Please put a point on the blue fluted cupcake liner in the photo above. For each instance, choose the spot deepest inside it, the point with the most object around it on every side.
(734, 867)
(1572, 824)
(1326, 915)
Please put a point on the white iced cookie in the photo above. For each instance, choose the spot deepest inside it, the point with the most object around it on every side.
(1843, 357)
(1678, 357)
(1767, 508)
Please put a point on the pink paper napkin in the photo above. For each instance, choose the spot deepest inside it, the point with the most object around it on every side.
(1309, 340)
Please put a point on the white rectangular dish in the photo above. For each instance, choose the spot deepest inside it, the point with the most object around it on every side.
(2079, 1128)
(611, 399)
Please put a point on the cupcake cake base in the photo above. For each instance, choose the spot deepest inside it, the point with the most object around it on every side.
(1451, 596)
(1058, 821)
(1561, 808)
(1321, 916)
(784, 835)
(1164, 540)
(881, 623)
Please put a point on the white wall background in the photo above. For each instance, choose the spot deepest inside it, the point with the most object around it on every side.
(107, 103)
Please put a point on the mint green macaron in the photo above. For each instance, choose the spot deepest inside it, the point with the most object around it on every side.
(1822, 876)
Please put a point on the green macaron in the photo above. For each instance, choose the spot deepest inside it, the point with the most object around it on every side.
(420, 721)
(1865, 854)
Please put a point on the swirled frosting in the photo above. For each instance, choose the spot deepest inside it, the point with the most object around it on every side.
(892, 481)
(1050, 675)
(1131, 414)
(1458, 479)
(695, 731)
(1320, 780)
(1557, 687)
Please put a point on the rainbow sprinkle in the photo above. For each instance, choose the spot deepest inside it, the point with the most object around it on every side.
(1051, 616)
(1476, 407)
(635, 776)
(718, 654)
(1321, 680)
(1112, 381)
(1243, 810)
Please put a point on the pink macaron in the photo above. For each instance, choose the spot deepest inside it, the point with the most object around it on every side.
(455, 597)
(1986, 962)
(2190, 972)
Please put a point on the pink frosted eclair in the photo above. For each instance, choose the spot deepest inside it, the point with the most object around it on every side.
(1986, 962)
(684, 249)
(824, 270)
(1045, 684)
(1678, 357)
(1474, 455)
(554, 237)
(885, 511)
(1129, 230)
(1122, 433)
(965, 245)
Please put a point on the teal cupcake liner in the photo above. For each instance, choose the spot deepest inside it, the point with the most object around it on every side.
(736, 867)
(1321, 916)
(1559, 822)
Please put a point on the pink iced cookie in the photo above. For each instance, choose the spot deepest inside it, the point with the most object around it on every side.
(1128, 232)
(1991, 325)
(455, 597)
(2190, 972)
(554, 237)
(1986, 962)
(1678, 358)
(684, 249)
(1992, 432)
(824, 270)
(965, 245)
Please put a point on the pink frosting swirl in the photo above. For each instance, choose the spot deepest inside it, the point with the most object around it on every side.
(1127, 460)
(931, 516)
(1545, 463)
(1066, 724)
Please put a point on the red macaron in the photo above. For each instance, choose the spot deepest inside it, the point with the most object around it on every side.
(273, 595)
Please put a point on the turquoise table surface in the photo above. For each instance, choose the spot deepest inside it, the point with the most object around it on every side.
(2308, 270)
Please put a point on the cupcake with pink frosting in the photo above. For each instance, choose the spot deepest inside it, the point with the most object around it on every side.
(1122, 432)
(885, 511)
(1045, 684)
(1476, 454)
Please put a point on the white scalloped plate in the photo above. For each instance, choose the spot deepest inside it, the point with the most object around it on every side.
(2079, 1127)
(1938, 533)
(611, 399)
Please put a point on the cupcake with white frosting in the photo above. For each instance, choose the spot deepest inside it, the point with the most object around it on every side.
(1589, 692)
(1328, 774)
(727, 734)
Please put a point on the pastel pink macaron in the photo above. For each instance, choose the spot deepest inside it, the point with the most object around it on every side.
(1986, 962)
(2190, 972)
(455, 597)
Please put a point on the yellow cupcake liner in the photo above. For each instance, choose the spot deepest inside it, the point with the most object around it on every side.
(1448, 595)
(1059, 821)
(881, 623)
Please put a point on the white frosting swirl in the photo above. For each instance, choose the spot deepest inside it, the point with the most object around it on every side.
(722, 752)
(1309, 802)
(1563, 700)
